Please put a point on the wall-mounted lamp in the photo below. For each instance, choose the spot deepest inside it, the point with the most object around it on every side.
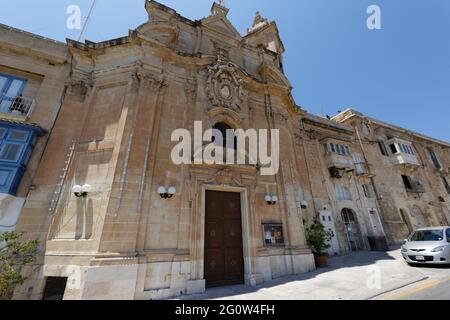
(166, 193)
(304, 204)
(271, 200)
(81, 191)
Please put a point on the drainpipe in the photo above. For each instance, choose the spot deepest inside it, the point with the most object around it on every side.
(372, 180)
(367, 163)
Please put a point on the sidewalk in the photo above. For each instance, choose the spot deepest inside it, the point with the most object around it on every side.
(346, 278)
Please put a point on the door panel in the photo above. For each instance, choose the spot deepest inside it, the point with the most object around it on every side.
(224, 262)
(214, 267)
(231, 205)
(214, 235)
(234, 264)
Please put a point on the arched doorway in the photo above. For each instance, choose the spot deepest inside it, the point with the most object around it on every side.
(223, 127)
(352, 230)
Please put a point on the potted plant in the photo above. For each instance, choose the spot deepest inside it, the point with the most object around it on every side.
(318, 238)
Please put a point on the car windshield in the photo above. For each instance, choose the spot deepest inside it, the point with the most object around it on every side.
(427, 235)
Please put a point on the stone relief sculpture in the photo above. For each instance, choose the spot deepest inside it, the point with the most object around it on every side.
(224, 85)
(149, 80)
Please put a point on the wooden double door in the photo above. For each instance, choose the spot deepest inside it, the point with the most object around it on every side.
(224, 259)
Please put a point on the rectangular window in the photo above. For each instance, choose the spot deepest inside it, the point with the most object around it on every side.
(383, 149)
(366, 190)
(434, 159)
(447, 186)
(407, 149)
(338, 148)
(10, 151)
(18, 135)
(343, 193)
(10, 88)
(347, 150)
(393, 147)
(407, 182)
(357, 158)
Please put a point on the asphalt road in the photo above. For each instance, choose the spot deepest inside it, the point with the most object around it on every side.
(436, 287)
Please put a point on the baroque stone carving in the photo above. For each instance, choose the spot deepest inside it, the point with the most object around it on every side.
(190, 90)
(224, 85)
(225, 176)
(149, 80)
(79, 88)
(280, 117)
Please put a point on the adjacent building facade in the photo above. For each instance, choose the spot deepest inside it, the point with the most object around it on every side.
(411, 174)
(141, 226)
(33, 71)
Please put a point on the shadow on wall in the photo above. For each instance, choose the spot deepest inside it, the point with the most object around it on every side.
(74, 217)
(85, 219)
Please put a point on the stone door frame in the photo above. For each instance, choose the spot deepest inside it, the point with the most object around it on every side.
(223, 181)
(244, 220)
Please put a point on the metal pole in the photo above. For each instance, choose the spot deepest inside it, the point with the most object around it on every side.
(87, 20)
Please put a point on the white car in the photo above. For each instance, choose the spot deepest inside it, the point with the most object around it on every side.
(428, 246)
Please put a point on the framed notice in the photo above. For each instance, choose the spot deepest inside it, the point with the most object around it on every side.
(273, 234)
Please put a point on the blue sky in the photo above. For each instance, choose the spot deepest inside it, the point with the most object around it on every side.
(400, 74)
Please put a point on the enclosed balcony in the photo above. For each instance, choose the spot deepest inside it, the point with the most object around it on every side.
(403, 153)
(338, 159)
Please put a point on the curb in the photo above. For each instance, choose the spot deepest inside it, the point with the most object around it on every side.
(399, 287)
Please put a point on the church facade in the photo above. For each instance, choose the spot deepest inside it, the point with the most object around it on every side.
(118, 219)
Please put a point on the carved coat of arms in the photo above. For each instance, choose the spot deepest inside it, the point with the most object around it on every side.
(224, 86)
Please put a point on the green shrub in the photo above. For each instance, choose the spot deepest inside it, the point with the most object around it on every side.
(318, 237)
(14, 254)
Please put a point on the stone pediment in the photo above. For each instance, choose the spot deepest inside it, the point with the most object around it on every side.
(163, 32)
(221, 25)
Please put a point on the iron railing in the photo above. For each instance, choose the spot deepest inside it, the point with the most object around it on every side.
(16, 105)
